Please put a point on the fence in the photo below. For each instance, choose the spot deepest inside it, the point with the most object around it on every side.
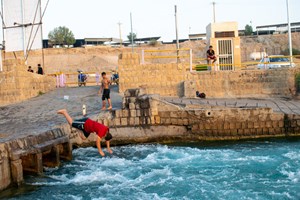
(183, 56)
(186, 57)
(71, 79)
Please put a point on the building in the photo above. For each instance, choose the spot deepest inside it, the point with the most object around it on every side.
(197, 36)
(86, 42)
(277, 28)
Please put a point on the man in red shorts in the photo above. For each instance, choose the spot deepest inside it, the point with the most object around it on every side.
(211, 55)
(88, 126)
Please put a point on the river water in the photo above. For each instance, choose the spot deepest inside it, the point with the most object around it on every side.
(247, 170)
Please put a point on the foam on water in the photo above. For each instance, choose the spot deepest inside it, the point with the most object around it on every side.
(251, 170)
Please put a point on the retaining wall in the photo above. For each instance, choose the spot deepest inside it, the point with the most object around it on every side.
(30, 154)
(147, 118)
(176, 80)
(16, 84)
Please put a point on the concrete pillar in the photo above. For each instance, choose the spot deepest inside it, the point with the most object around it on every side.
(66, 151)
(17, 172)
(33, 163)
(51, 158)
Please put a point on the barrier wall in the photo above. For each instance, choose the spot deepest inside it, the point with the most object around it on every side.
(16, 84)
(176, 80)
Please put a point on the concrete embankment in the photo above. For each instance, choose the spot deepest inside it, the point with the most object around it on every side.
(144, 119)
(148, 118)
(30, 154)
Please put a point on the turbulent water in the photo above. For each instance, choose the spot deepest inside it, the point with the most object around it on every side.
(248, 170)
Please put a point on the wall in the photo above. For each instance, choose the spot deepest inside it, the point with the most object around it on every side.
(238, 84)
(148, 118)
(16, 84)
(163, 79)
(168, 80)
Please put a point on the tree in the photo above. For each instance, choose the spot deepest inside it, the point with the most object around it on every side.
(248, 30)
(61, 36)
(131, 34)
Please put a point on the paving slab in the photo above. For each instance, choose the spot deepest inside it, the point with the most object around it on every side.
(39, 114)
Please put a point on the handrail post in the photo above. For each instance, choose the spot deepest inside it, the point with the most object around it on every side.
(143, 56)
(191, 60)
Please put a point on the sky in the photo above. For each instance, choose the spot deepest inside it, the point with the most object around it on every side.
(98, 18)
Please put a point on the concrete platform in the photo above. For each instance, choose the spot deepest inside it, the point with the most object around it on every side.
(281, 105)
(39, 114)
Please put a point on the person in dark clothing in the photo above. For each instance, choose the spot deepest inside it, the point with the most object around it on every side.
(29, 69)
(211, 55)
(40, 70)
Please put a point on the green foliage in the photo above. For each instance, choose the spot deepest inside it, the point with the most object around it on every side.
(286, 52)
(297, 82)
(131, 34)
(248, 30)
(61, 36)
(40, 93)
(153, 42)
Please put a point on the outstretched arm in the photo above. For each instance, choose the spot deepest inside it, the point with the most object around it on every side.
(98, 144)
(101, 89)
(108, 147)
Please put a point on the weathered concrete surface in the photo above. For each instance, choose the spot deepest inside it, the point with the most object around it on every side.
(39, 114)
(34, 133)
(149, 118)
(169, 80)
(16, 84)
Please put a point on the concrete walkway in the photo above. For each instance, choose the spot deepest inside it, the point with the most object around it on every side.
(39, 114)
(283, 105)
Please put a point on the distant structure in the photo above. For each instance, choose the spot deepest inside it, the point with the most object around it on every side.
(22, 25)
(103, 42)
(277, 28)
(198, 36)
(225, 40)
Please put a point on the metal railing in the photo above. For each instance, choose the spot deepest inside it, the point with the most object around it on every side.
(183, 56)
(71, 79)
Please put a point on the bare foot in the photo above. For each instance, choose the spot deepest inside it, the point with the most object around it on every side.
(109, 108)
(62, 111)
(103, 108)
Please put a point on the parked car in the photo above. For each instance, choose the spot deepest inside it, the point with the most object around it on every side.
(275, 61)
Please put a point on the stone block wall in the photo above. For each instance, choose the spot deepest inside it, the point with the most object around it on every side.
(176, 80)
(251, 83)
(16, 84)
(145, 112)
(163, 79)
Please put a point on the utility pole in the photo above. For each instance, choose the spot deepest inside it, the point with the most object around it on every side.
(131, 32)
(120, 32)
(176, 28)
(214, 11)
(290, 34)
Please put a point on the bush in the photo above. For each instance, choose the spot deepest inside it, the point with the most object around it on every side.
(153, 42)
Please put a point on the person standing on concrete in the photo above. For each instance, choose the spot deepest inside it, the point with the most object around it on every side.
(40, 70)
(88, 126)
(211, 55)
(104, 89)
